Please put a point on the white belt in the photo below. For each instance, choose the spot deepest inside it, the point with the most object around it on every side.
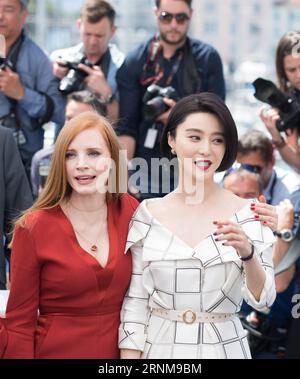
(189, 316)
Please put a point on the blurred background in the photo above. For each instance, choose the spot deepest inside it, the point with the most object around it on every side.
(244, 32)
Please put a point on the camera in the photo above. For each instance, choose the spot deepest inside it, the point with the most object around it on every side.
(9, 121)
(288, 104)
(154, 104)
(4, 62)
(73, 81)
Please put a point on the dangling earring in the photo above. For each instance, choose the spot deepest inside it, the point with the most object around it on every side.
(173, 151)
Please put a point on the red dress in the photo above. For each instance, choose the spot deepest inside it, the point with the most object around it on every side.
(78, 301)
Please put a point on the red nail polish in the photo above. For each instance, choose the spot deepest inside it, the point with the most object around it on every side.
(257, 217)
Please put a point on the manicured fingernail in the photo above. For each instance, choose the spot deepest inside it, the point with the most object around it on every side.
(215, 222)
(257, 217)
(215, 234)
(265, 222)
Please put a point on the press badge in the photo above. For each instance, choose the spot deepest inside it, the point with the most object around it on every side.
(20, 137)
(151, 138)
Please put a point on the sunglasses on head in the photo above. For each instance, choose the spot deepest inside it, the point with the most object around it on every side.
(251, 168)
(166, 17)
(248, 167)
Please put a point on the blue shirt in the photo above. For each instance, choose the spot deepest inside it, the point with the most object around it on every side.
(35, 71)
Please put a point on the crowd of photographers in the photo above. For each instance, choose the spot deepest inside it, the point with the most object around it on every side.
(136, 93)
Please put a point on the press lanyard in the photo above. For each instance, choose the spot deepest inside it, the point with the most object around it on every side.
(269, 201)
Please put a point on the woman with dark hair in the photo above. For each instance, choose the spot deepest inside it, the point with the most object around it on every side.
(288, 77)
(69, 272)
(198, 251)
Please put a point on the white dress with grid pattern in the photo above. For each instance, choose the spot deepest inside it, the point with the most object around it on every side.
(169, 274)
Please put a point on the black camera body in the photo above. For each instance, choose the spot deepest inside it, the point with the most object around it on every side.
(4, 62)
(288, 104)
(10, 121)
(154, 104)
(73, 81)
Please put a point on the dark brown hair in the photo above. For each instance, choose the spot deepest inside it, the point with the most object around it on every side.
(204, 102)
(255, 141)
(86, 97)
(188, 2)
(285, 47)
(94, 11)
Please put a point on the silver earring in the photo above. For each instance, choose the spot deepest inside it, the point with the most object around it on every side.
(173, 151)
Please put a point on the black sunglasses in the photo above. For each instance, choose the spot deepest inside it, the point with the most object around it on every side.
(167, 17)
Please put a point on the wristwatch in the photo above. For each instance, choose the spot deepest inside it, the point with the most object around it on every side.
(285, 234)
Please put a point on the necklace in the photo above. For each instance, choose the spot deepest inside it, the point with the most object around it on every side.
(84, 210)
(93, 248)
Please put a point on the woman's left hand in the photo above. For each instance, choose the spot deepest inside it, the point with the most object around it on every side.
(265, 213)
(233, 235)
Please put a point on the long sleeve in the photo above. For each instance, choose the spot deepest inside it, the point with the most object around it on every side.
(215, 77)
(135, 310)
(38, 100)
(264, 254)
(17, 329)
(17, 191)
(130, 92)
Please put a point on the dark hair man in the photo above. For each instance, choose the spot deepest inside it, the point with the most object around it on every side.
(97, 26)
(255, 149)
(28, 90)
(169, 58)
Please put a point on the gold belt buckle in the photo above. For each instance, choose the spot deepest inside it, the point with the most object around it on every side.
(189, 317)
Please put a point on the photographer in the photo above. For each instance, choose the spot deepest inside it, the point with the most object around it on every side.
(93, 63)
(180, 66)
(288, 76)
(28, 90)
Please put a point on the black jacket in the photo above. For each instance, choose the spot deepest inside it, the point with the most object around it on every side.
(15, 194)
